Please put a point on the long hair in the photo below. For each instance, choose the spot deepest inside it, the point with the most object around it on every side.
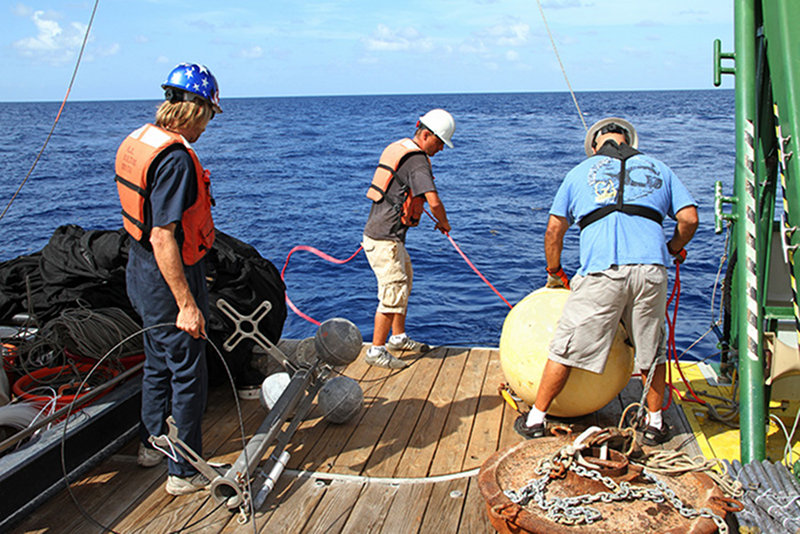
(176, 116)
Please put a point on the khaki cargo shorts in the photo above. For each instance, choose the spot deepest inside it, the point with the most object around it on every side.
(392, 267)
(633, 294)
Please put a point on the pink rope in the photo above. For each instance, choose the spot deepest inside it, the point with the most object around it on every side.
(458, 249)
(341, 262)
(321, 255)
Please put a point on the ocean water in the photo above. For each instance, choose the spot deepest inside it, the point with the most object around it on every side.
(294, 171)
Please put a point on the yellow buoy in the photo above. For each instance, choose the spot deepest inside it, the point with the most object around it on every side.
(524, 346)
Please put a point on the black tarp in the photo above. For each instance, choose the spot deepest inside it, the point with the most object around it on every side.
(87, 268)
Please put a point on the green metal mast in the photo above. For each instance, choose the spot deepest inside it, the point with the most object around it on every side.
(767, 70)
(751, 374)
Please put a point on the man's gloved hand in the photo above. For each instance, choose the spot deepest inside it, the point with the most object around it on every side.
(677, 257)
(557, 278)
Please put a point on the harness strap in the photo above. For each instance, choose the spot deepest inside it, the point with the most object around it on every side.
(610, 148)
(398, 207)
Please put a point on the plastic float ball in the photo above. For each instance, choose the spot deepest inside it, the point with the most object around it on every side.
(524, 346)
(338, 341)
(271, 389)
(340, 399)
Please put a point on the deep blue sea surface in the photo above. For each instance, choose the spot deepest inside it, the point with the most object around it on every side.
(294, 171)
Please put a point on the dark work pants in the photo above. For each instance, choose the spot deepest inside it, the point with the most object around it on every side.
(175, 375)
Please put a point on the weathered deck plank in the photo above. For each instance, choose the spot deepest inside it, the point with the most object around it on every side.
(440, 416)
(370, 510)
(417, 457)
(334, 509)
(489, 416)
(386, 456)
(452, 446)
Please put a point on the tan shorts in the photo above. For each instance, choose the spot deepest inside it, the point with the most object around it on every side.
(633, 294)
(392, 267)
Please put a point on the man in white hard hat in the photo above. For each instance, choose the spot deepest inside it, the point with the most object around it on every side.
(401, 185)
(619, 198)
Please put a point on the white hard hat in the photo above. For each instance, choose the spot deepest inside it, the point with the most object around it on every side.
(441, 123)
(633, 139)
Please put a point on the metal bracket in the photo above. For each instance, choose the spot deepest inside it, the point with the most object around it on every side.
(246, 327)
(719, 70)
(786, 239)
(719, 215)
(167, 442)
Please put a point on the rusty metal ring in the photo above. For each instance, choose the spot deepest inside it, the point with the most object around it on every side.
(729, 504)
(560, 430)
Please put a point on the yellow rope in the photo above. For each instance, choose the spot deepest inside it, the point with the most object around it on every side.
(563, 70)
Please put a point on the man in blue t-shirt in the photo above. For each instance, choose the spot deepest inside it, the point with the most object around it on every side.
(623, 259)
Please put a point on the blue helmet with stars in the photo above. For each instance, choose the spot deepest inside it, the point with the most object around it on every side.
(194, 79)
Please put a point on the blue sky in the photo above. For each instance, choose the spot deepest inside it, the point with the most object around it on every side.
(306, 47)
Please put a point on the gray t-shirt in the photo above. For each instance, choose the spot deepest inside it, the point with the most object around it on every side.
(384, 221)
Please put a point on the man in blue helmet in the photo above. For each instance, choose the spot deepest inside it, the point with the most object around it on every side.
(619, 198)
(166, 208)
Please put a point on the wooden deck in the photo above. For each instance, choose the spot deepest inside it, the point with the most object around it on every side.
(440, 416)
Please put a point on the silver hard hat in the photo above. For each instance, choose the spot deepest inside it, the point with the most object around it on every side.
(599, 125)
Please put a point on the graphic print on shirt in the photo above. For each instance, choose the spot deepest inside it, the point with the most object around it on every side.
(641, 179)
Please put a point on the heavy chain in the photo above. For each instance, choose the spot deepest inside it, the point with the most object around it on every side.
(575, 510)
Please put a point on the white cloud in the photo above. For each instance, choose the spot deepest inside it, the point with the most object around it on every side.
(22, 10)
(384, 39)
(515, 34)
(51, 43)
(254, 52)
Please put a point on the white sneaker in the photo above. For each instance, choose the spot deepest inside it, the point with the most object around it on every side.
(184, 485)
(380, 357)
(408, 344)
(148, 456)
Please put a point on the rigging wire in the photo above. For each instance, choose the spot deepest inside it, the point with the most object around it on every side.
(70, 409)
(563, 70)
(58, 115)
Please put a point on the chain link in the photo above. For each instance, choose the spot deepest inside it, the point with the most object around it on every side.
(576, 510)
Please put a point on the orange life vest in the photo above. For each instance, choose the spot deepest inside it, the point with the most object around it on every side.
(134, 159)
(411, 206)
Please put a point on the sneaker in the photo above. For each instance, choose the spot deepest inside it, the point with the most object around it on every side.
(382, 358)
(148, 456)
(528, 432)
(184, 485)
(655, 436)
(408, 344)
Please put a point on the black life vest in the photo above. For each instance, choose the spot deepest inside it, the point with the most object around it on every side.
(622, 153)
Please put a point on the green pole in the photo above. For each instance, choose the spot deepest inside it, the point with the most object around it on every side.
(751, 374)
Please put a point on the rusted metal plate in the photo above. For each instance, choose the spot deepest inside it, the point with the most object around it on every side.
(513, 468)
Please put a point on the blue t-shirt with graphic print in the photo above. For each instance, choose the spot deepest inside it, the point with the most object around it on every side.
(619, 238)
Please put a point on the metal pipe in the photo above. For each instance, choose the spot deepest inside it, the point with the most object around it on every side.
(751, 373)
(227, 488)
